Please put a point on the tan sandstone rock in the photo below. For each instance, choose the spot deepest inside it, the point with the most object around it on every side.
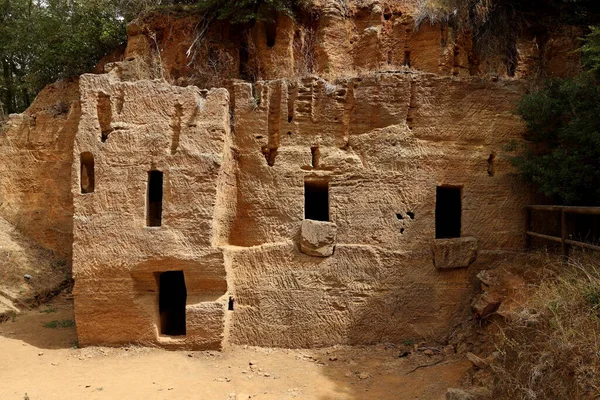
(454, 253)
(318, 238)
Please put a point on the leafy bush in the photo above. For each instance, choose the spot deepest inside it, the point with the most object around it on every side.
(65, 323)
(44, 41)
(41, 42)
(563, 127)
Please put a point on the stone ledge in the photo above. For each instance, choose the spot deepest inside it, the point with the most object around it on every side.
(454, 253)
(318, 238)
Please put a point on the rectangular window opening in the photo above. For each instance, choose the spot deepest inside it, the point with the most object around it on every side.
(172, 296)
(448, 212)
(316, 200)
(155, 197)
(86, 177)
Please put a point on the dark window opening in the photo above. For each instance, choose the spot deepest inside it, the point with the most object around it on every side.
(230, 304)
(316, 200)
(270, 33)
(244, 57)
(172, 296)
(407, 58)
(86, 177)
(491, 165)
(448, 212)
(512, 60)
(155, 197)
(104, 111)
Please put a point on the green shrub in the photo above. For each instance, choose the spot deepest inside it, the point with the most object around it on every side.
(564, 131)
(563, 128)
(65, 323)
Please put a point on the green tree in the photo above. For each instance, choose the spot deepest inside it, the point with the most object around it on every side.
(563, 128)
(42, 41)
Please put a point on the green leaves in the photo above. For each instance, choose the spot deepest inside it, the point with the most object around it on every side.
(563, 126)
(43, 41)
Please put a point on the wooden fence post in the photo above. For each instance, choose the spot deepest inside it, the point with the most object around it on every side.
(563, 233)
(528, 225)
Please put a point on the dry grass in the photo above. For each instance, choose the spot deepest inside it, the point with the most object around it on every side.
(551, 349)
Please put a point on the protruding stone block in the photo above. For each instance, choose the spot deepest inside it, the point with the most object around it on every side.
(454, 253)
(318, 238)
(485, 304)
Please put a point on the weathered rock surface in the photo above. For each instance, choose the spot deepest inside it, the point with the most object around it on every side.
(339, 38)
(235, 164)
(317, 238)
(454, 253)
(485, 304)
(28, 272)
(501, 292)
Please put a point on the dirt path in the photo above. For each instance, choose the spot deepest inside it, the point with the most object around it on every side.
(38, 361)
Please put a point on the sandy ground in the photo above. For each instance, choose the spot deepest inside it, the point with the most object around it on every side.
(40, 361)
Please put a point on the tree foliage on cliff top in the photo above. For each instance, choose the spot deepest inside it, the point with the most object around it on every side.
(42, 41)
(497, 24)
(242, 11)
(563, 126)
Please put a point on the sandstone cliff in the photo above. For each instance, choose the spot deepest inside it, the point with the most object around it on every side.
(354, 111)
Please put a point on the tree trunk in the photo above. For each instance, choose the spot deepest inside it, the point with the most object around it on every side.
(9, 97)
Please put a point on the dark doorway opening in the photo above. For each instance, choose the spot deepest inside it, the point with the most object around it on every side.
(316, 200)
(86, 176)
(244, 58)
(448, 212)
(155, 197)
(172, 296)
(270, 33)
(406, 58)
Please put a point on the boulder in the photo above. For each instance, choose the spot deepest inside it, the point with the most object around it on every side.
(318, 238)
(454, 253)
(485, 304)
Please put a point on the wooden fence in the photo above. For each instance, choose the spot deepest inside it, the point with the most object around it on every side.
(566, 213)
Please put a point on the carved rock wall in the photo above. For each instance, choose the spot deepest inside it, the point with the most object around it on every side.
(234, 203)
(338, 39)
(236, 164)
(383, 144)
(153, 126)
(35, 172)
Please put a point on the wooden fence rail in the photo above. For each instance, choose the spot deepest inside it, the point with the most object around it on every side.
(564, 239)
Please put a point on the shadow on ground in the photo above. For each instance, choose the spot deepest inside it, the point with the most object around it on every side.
(51, 326)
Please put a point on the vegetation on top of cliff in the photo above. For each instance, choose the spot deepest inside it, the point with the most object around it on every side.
(42, 41)
(497, 24)
(564, 130)
(242, 11)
